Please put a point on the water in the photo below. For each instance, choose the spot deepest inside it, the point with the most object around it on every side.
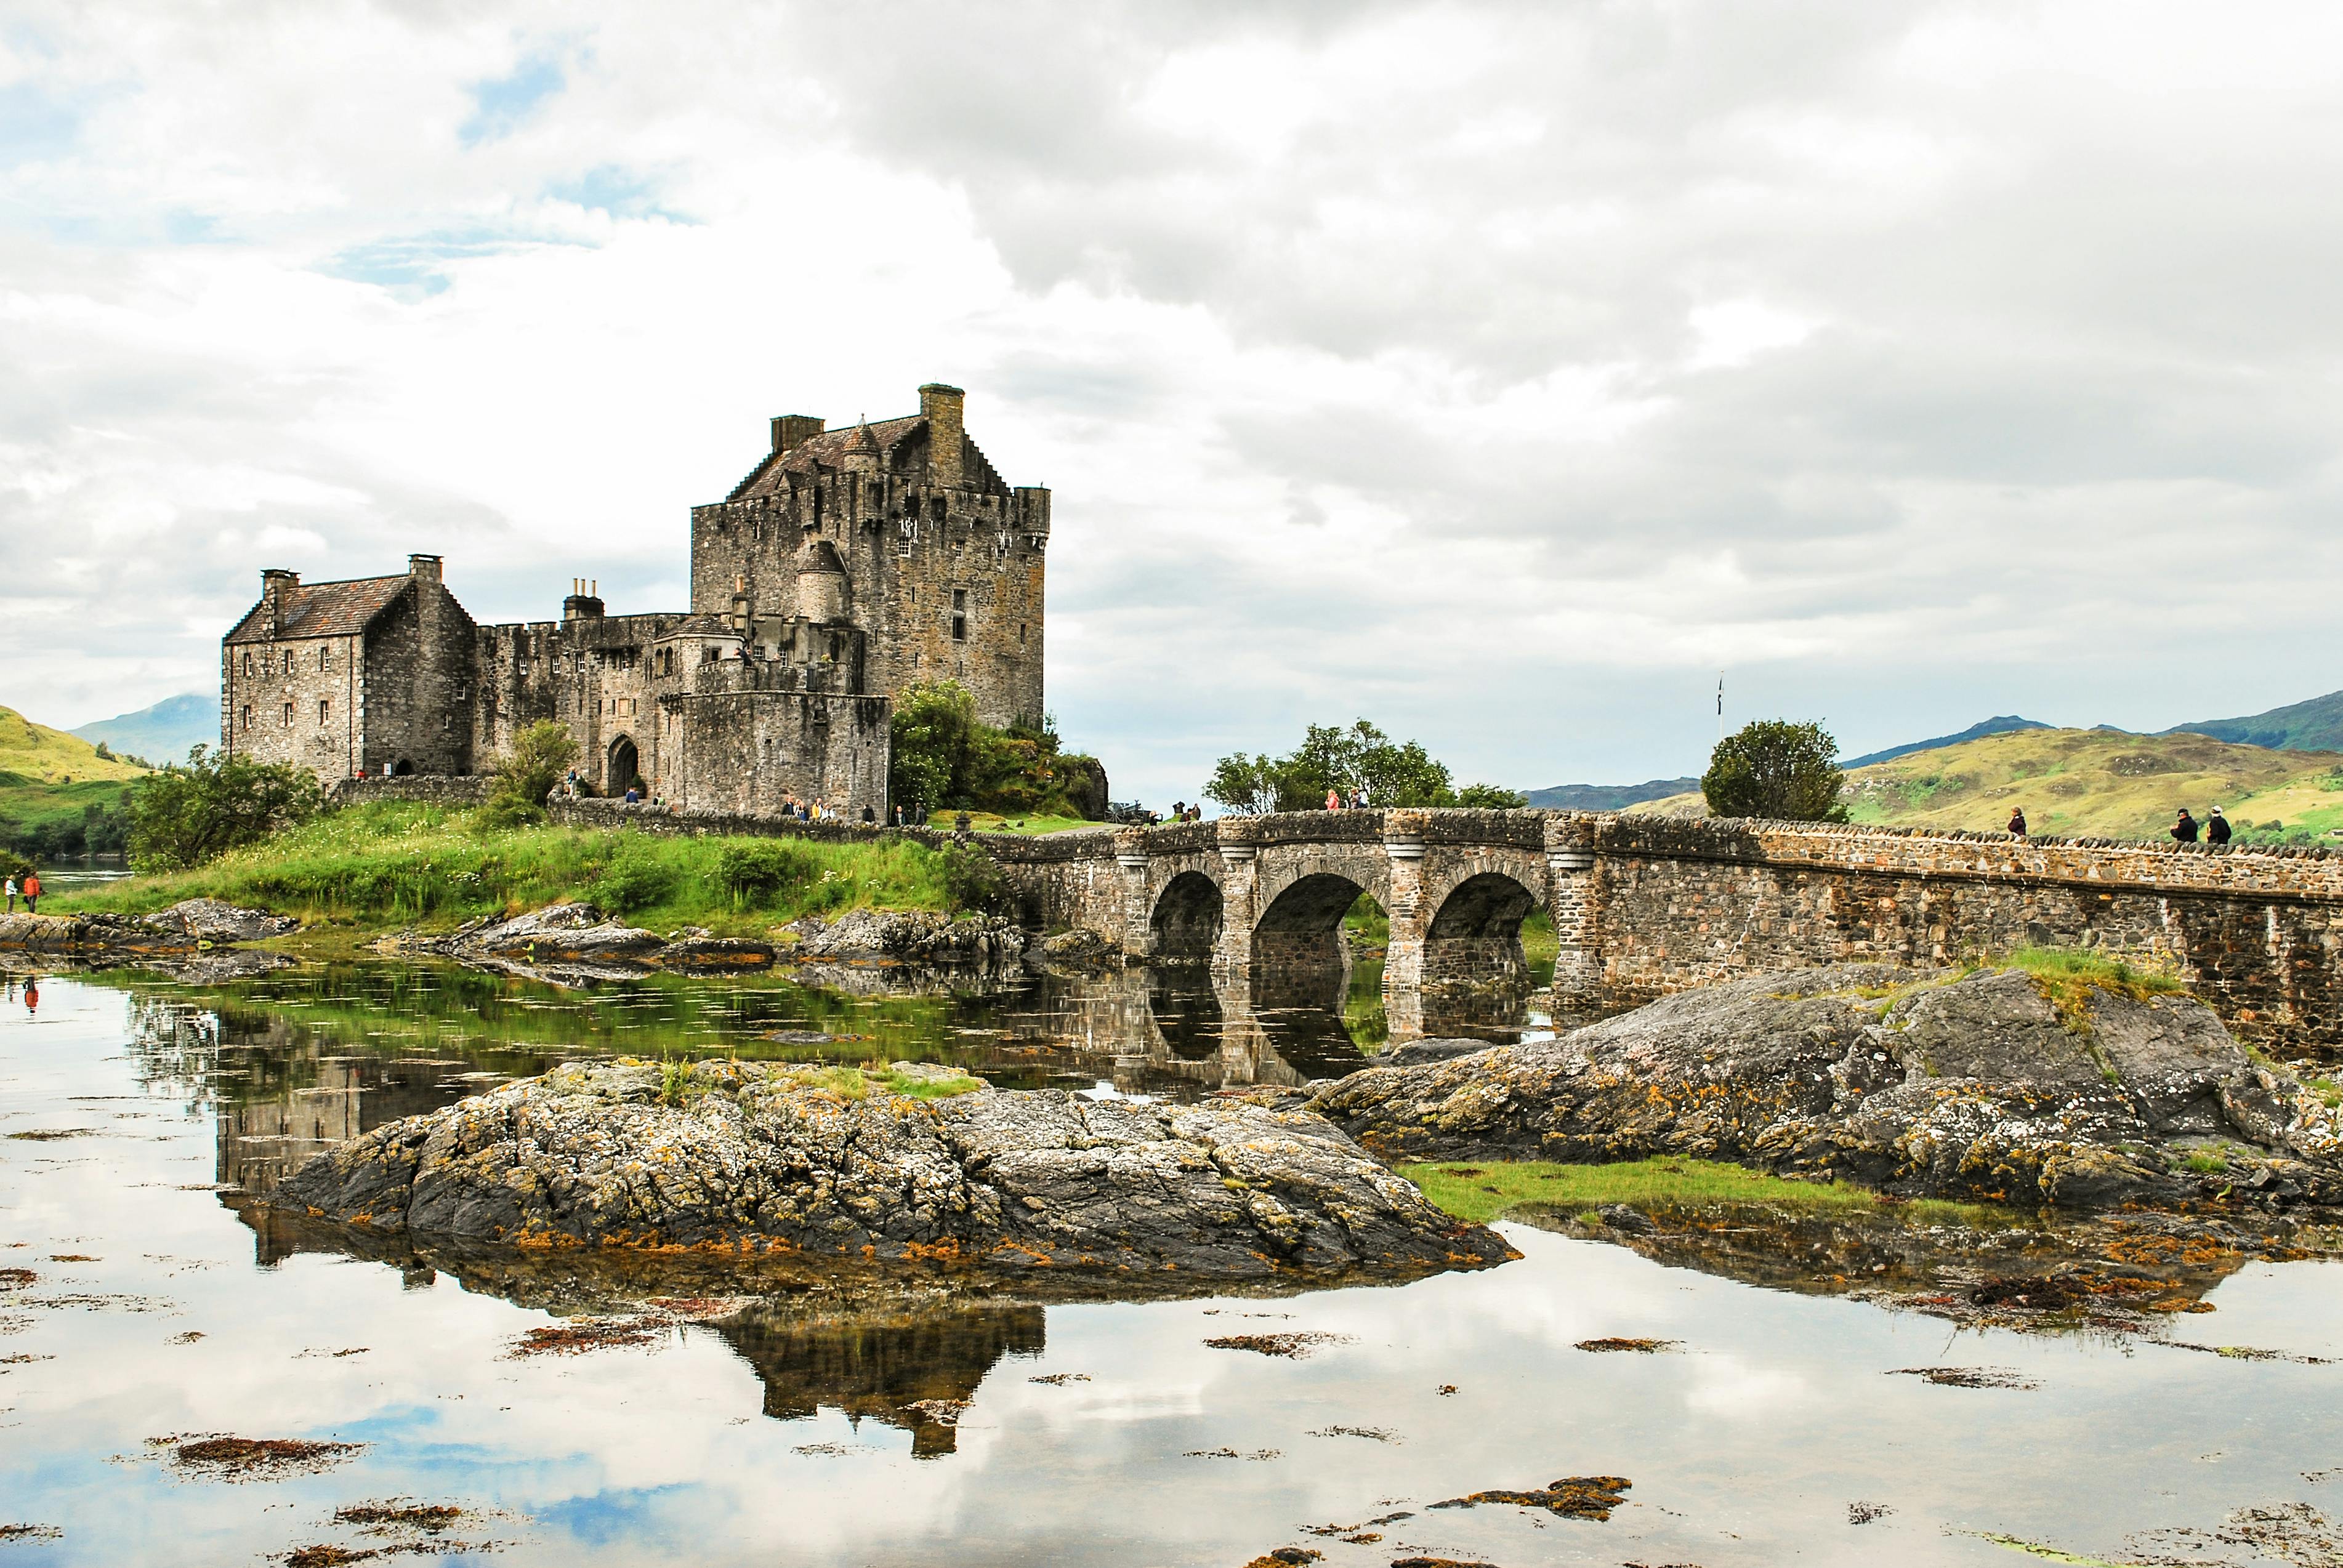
(823, 1427)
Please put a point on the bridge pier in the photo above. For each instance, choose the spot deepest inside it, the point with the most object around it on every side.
(1233, 954)
(1570, 901)
(1138, 934)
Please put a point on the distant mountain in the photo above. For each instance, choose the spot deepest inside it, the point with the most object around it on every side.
(2006, 724)
(161, 733)
(2313, 726)
(32, 755)
(1608, 796)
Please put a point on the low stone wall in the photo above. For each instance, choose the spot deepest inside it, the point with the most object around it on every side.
(437, 789)
(1670, 904)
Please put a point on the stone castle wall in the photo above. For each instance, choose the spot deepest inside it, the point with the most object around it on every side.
(417, 713)
(467, 789)
(297, 700)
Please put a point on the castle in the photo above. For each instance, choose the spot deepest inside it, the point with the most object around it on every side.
(847, 565)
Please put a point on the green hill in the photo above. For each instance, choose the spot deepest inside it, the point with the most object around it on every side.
(2313, 726)
(2094, 783)
(58, 795)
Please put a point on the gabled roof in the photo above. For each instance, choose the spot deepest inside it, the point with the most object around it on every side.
(827, 450)
(323, 609)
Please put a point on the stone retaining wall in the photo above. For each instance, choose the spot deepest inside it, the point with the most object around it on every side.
(437, 789)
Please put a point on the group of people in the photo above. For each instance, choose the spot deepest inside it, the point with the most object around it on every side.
(1356, 802)
(1182, 812)
(30, 891)
(2185, 828)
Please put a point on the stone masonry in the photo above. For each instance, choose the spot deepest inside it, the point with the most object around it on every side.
(847, 565)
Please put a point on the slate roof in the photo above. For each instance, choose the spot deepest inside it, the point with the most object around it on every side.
(827, 450)
(698, 625)
(324, 609)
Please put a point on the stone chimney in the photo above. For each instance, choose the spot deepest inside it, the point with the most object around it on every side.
(790, 430)
(940, 407)
(278, 587)
(423, 568)
(584, 603)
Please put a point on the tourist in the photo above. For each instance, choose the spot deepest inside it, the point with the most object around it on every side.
(12, 895)
(2184, 831)
(634, 795)
(1333, 800)
(1359, 799)
(2216, 829)
(867, 818)
(2017, 821)
(32, 892)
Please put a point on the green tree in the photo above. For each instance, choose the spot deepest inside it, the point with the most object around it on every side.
(1393, 773)
(935, 730)
(541, 754)
(191, 812)
(1774, 769)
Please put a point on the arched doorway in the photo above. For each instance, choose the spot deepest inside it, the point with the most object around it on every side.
(1186, 925)
(624, 766)
(401, 769)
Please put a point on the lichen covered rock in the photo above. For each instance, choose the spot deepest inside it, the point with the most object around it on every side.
(754, 1156)
(1973, 1086)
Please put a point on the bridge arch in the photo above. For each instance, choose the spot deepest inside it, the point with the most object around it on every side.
(1301, 924)
(1185, 923)
(1473, 938)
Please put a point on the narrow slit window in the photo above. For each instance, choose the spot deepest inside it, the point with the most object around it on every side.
(959, 614)
(288, 716)
(324, 709)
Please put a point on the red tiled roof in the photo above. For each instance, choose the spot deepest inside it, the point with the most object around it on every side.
(324, 609)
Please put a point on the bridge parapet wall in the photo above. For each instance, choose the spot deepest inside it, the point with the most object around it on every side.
(1662, 905)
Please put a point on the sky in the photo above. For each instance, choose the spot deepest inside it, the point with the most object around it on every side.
(1497, 373)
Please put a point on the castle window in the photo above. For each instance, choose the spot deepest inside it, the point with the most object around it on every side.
(959, 614)
(1020, 634)
(248, 709)
(288, 661)
(816, 505)
(247, 664)
(288, 716)
(322, 662)
(324, 709)
(935, 508)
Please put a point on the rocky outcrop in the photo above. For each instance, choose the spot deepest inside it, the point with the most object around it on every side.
(922, 937)
(1973, 1086)
(1078, 951)
(834, 1162)
(574, 944)
(196, 925)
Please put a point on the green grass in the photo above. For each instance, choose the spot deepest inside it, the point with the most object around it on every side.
(387, 864)
(945, 820)
(1479, 1190)
(2067, 977)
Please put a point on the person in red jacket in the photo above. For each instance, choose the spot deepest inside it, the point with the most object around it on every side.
(32, 892)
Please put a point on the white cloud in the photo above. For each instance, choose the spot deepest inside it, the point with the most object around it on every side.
(1495, 371)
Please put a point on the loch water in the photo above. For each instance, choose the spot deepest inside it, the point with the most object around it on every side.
(150, 1303)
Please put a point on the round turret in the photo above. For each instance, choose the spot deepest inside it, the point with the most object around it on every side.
(821, 581)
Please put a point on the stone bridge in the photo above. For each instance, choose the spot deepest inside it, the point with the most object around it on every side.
(1645, 905)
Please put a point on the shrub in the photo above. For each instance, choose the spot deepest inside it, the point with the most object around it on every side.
(972, 880)
(759, 871)
(634, 879)
(541, 754)
(1777, 769)
(194, 811)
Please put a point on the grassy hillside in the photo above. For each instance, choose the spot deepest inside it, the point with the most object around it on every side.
(36, 754)
(391, 864)
(2094, 783)
(58, 795)
(2313, 726)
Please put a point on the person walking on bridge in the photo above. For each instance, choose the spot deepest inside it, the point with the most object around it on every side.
(1333, 798)
(2184, 831)
(2017, 821)
(2217, 828)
